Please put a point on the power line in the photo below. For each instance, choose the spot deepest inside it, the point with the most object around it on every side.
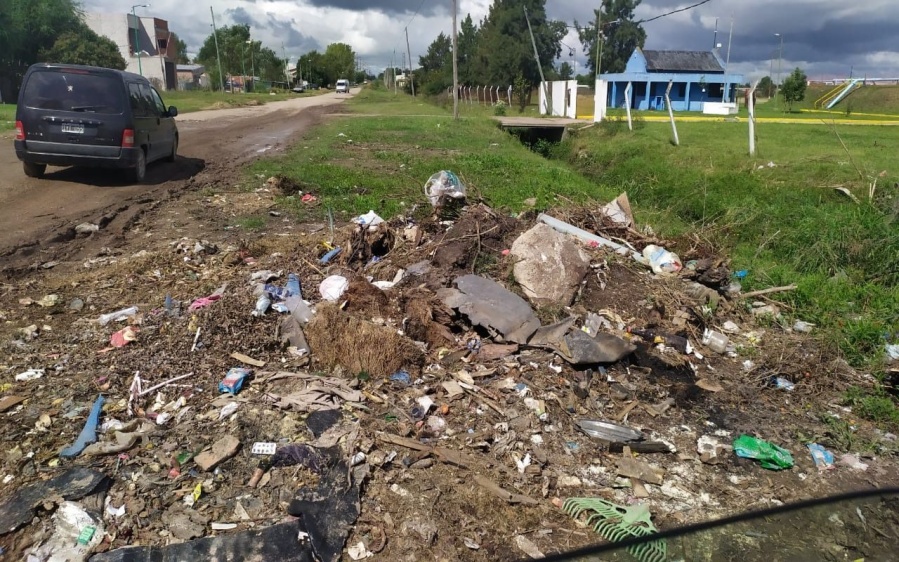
(422, 3)
(674, 12)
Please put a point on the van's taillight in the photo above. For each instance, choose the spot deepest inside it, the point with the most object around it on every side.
(128, 138)
(20, 131)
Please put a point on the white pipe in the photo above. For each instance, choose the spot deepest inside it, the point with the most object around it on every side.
(562, 226)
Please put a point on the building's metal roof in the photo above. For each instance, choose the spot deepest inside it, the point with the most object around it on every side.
(682, 61)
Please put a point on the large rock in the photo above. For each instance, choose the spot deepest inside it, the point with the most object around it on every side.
(549, 265)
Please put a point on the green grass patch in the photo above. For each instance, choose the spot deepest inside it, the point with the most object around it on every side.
(784, 223)
(198, 100)
(382, 162)
(7, 116)
(876, 406)
(251, 223)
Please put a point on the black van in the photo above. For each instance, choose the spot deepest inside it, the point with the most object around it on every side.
(71, 115)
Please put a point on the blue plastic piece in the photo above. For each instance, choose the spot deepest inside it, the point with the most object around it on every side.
(330, 256)
(294, 289)
(401, 377)
(233, 381)
(88, 433)
(741, 274)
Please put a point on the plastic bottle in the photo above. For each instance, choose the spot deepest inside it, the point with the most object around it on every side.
(117, 315)
(294, 289)
(262, 304)
(716, 341)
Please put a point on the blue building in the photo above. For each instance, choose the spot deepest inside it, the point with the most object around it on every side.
(697, 76)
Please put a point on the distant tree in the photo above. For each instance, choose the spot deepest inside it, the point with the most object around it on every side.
(618, 40)
(585, 80)
(311, 68)
(766, 87)
(339, 61)
(232, 47)
(181, 50)
(565, 71)
(793, 88)
(504, 43)
(83, 46)
(467, 42)
(436, 66)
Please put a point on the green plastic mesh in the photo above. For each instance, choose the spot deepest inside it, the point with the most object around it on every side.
(616, 523)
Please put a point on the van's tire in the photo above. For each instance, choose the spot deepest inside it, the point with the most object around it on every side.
(33, 170)
(174, 155)
(139, 172)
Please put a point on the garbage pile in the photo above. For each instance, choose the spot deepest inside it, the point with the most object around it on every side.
(475, 385)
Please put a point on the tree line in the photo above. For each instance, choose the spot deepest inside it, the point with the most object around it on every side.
(499, 50)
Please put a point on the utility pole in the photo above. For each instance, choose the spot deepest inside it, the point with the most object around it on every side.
(455, 62)
(393, 70)
(286, 65)
(727, 61)
(598, 38)
(136, 36)
(218, 56)
(408, 50)
(546, 99)
(715, 39)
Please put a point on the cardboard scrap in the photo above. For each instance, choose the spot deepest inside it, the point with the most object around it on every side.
(711, 386)
(10, 401)
(496, 489)
(453, 389)
(632, 468)
(247, 360)
(221, 450)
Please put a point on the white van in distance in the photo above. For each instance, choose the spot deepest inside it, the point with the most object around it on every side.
(342, 87)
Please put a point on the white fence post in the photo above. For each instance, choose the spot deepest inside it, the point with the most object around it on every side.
(627, 105)
(750, 103)
(671, 112)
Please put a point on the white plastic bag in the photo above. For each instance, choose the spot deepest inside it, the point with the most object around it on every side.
(333, 287)
(444, 184)
(661, 260)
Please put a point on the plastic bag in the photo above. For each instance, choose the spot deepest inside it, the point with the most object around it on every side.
(661, 260)
(770, 456)
(444, 184)
(333, 287)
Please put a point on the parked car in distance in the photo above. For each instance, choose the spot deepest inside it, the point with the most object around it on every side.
(298, 89)
(72, 115)
(342, 87)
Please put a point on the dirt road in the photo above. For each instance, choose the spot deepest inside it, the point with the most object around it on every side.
(37, 215)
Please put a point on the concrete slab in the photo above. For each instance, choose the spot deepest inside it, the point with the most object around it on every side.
(539, 122)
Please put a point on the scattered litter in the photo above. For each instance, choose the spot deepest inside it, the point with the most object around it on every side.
(88, 433)
(76, 533)
(716, 341)
(661, 260)
(247, 360)
(442, 186)
(769, 455)
(234, 380)
(783, 384)
(852, 461)
(369, 219)
(802, 327)
(30, 375)
(264, 448)
(609, 431)
(86, 228)
(124, 336)
(117, 316)
(487, 303)
(528, 547)
(822, 457)
(616, 523)
(333, 287)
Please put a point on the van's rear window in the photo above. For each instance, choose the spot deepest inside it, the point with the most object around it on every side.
(68, 91)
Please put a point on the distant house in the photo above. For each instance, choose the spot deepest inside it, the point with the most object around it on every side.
(192, 76)
(150, 37)
(696, 76)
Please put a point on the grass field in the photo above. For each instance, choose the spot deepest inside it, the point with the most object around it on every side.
(7, 116)
(785, 224)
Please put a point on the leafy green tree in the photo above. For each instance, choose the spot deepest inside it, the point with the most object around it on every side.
(231, 45)
(28, 27)
(566, 71)
(504, 44)
(793, 88)
(339, 61)
(311, 68)
(436, 64)
(766, 87)
(467, 43)
(83, 46)
(618, 40)
(181, 50)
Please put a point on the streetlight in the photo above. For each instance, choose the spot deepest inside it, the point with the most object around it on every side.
(243, 66)
(140, 70)
(252, 63)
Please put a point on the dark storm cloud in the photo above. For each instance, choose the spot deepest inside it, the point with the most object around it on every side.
(389, 7)
(273, 28)
(828, 36)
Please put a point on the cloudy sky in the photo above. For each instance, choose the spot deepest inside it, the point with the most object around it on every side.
(827, 38)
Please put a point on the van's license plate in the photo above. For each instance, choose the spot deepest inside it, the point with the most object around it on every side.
(72, 128)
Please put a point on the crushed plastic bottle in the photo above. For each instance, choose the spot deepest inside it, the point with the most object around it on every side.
(661, 260)
(117, 315)
(770, 456)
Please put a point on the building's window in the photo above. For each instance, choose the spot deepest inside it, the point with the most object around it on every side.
(682, 89)
(162, 44)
